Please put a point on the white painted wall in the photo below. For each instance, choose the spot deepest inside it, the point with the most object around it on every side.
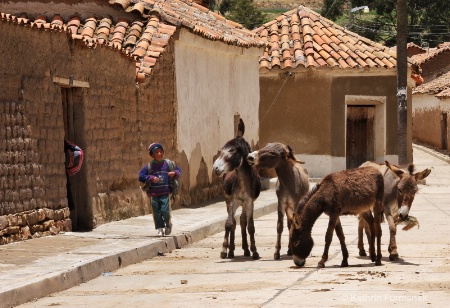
(424, 102)
(214, 82)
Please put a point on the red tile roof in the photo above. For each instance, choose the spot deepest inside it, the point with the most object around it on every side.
(303, 38)
(145, 39)
(439, 86)
(432, 53)
(197, 18)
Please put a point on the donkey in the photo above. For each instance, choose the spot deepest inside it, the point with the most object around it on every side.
(242, 185)
(292, 184)
(400, 187)
(352, 191)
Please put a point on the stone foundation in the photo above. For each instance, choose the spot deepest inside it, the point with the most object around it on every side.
(33, 224)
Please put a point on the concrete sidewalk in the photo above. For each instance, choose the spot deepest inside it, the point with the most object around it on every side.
(39, 267)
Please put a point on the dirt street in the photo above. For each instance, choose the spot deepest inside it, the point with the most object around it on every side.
(196, 275)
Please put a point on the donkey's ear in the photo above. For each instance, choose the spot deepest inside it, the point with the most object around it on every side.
(241, 129)
(296, 221)
(394, 169)
(289, 213)
(421, 175)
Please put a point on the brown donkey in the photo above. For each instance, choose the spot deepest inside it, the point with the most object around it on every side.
(348, 192)
(400, 187)
(292, 184)
(241, 185)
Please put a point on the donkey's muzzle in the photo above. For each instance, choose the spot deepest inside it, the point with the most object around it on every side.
(299, 261)
(251, 158)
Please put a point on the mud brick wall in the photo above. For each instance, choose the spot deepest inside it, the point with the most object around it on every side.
(427, 126)
(30, 205)
(115, 121)
(436, 66)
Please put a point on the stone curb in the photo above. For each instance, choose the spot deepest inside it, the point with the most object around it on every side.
(432, 152)
(90, 269)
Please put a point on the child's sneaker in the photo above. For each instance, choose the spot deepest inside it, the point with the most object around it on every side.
(168, 230)
(160, 232)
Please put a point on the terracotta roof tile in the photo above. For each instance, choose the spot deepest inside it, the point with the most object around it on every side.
(435, 86)
(444, 94)
(145, 39)
(318, 41)
(432, 53)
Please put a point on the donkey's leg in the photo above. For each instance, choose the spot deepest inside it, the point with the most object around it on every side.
(370, 222)
(251, 230)
(243, 221)
(362, 251)
(230, 226)
(377, 224)
(328, 238)
(276, 255)
(340, 235)
(289, 252)
(392, 248)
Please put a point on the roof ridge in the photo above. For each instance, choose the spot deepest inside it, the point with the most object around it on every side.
(317, 41)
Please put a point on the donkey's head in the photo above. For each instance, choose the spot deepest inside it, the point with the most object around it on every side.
(407, 187)
(233, 154)
(300, 238)
(300, 229)
(271, 155)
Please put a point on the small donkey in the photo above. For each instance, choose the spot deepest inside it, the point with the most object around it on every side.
(292, 184)
(349, 192)
(242, 185)
(400, 187)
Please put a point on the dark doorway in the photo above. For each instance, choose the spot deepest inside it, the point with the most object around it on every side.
(444, 130)
(74, 132)
(360, 135)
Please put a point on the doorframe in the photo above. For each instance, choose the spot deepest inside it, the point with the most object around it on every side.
(379, 122)
(79, 181)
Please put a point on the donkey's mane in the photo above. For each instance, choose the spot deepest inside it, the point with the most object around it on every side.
(411, 168)
(304, 200)
(242, 143)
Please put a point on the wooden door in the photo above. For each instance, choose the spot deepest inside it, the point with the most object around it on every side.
(360, 135)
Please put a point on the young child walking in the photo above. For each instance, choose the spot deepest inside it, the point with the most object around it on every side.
(157, 175)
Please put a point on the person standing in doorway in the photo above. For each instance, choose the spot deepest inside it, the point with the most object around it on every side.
(73, 162)
(156, 175)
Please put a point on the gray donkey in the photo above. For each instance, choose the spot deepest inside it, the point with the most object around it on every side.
(241, 185)
(292, 184)
(400, 187)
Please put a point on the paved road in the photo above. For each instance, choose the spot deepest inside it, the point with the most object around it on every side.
(195, 275)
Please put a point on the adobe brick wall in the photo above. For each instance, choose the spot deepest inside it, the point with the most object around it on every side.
(436, 66)
(115, 120)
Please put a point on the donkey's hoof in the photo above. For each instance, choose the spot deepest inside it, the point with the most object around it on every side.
(394, 257)
(362, 253)
(320, 265)
(247, 253)
(255, 256)
(289, 252)
(373, 258)
(276, 256)
(231, 255)
(377, 262)
(344, 263)
(223, 255)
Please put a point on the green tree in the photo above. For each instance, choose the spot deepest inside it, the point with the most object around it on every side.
(428, 20)
(244, 12)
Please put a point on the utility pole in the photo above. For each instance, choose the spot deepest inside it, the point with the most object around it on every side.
(402, 116)
(350, 14)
